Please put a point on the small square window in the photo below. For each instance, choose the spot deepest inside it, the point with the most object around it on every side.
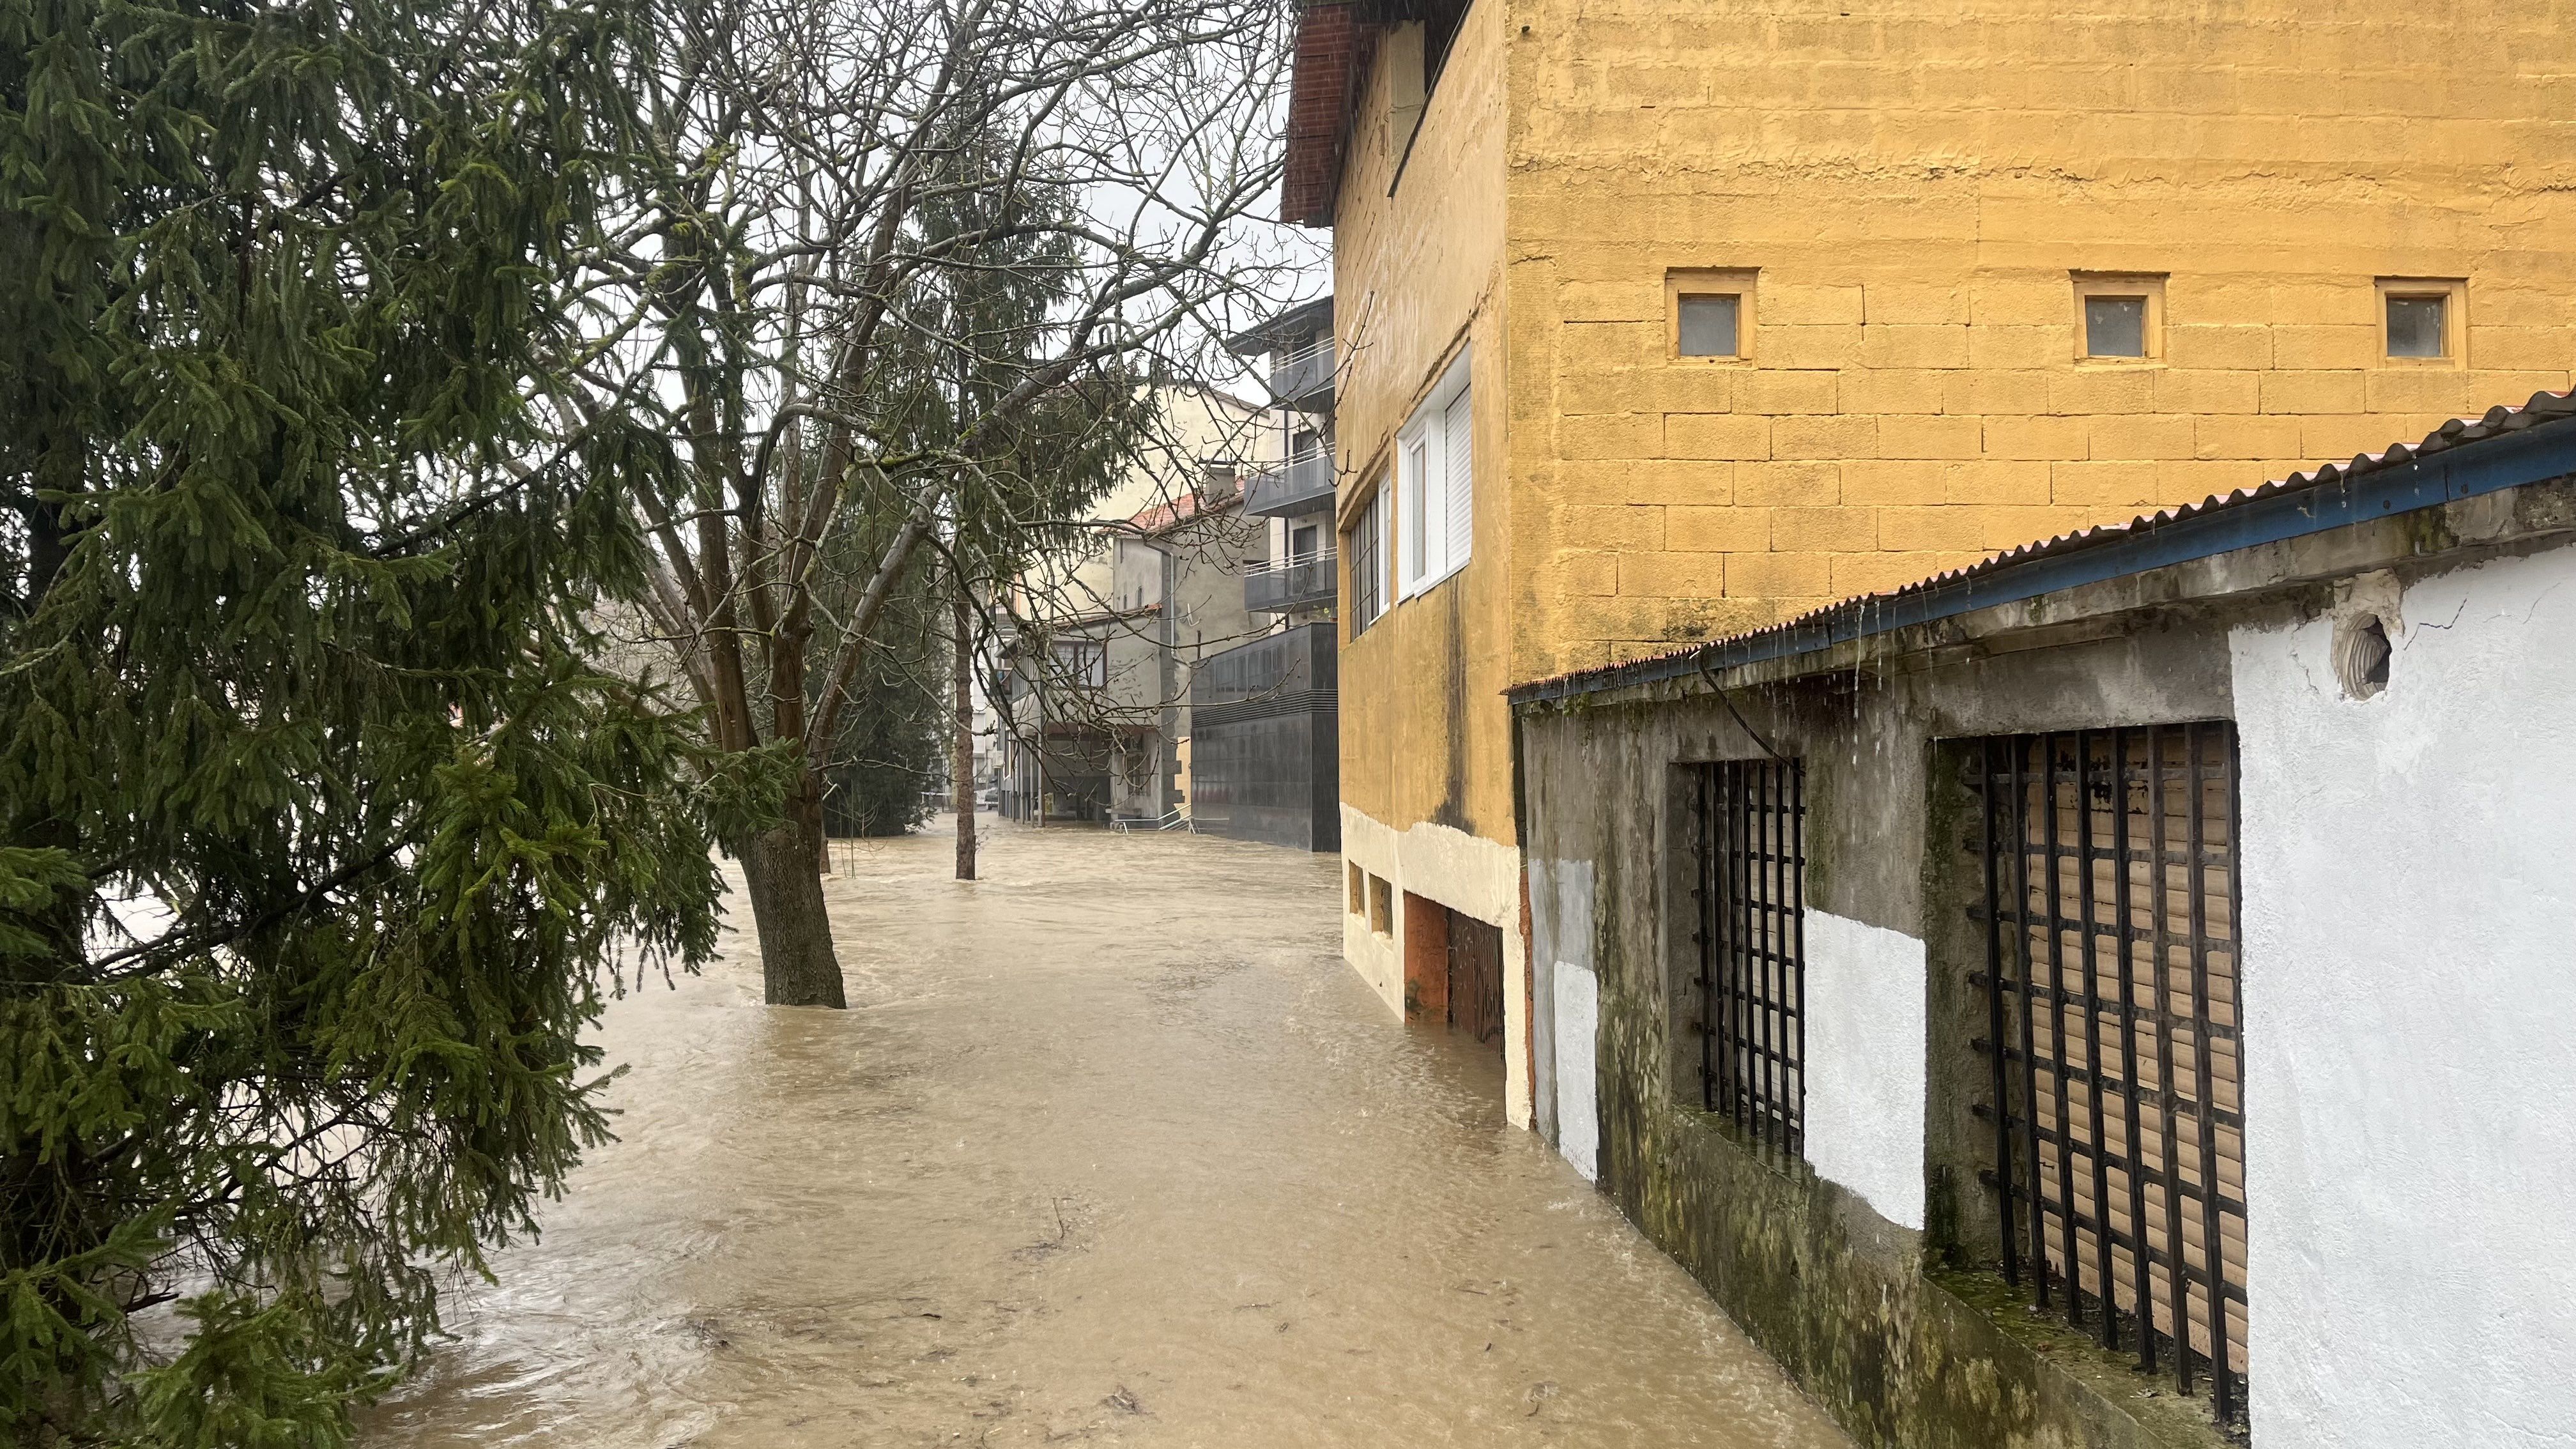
(2119, 317)
(2115, 326)
(2417, 325)
(2423, 321)
(1709, 324)
(1711, 312)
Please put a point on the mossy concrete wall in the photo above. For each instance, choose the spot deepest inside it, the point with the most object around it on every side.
(1904, 1335)
(1913, 1338)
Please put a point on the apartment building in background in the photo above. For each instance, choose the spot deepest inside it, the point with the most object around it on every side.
(1174, 664)
(1091, 688)
(1266, 753)
(1665, 323)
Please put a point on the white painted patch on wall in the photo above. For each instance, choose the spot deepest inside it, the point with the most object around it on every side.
(1560, 930)
(2410, 899)
(1865, 1062)
(1578, 1109)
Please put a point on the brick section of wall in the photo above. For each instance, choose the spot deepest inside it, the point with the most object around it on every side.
(1917, 186)
(1333, 48)
(1426, 959)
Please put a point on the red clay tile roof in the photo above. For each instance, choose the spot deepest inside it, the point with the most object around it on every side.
(1197, 503)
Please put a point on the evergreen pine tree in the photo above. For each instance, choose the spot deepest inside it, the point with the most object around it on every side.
(893, 735)
(321, 842)
(1037, 466)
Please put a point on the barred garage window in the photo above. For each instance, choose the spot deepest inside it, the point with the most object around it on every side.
(1749, 818)
(2110, 911)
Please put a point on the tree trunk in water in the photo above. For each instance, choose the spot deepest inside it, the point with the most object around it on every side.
(780, 874)
(962, 764)
(818, 842)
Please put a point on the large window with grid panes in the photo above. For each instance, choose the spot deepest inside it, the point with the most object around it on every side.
(1365, 548)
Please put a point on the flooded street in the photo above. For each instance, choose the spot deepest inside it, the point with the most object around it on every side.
(1109, 1148)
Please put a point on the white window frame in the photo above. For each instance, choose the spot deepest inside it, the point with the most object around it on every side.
(1435, 486)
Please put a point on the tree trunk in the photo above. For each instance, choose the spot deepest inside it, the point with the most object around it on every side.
(780, 873)
(809, 818)
(797, 967)
(961, 768)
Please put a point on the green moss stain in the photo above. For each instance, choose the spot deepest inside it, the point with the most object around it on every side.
(1881, 1325)
(1941, 1240)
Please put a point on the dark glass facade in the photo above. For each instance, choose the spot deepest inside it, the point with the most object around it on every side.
(1266, 743)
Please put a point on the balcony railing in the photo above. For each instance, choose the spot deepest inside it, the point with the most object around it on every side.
(1304, 378)
(1300, 485)
(1298, 584)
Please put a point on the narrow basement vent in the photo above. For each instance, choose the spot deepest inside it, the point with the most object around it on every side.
(2361, 657)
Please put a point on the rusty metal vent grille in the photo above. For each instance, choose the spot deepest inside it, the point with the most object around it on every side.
(1751, 822)
(2111, 891)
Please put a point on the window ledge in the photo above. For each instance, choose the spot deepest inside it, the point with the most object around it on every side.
(2162, 1416)
(1425, 586)
(1783, 1162)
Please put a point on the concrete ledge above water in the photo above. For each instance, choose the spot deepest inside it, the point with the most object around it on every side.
(1904, 1357)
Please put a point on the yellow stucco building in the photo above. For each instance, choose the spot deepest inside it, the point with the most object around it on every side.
(1662, 322)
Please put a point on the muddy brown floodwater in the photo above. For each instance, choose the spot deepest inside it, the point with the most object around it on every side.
(1109, 1148)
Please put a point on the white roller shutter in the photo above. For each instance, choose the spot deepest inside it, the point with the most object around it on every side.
(1457, 460)
(1414, 511)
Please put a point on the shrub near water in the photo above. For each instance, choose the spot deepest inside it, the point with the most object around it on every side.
(319, 834)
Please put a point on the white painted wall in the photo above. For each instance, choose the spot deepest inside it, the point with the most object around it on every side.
(1866, 1026)
(2410, 1000)
(1561, 928)
(1379, 959)
(1375, 958)
(1578, 1109)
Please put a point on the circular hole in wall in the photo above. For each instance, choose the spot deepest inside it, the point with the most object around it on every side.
(2361, 658)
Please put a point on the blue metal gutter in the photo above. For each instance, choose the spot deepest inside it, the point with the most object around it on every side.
(2467, 469)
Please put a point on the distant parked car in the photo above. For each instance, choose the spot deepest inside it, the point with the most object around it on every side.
(989, 800)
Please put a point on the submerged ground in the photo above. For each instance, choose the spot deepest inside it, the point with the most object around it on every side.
(1110, 1148)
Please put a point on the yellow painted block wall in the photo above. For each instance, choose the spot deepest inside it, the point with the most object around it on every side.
(1418, 276)
(1916, 185)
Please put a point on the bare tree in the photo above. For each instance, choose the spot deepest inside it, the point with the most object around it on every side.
(836, 173)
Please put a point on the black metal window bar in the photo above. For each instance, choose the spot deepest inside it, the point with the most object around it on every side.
(2111, 891)
(1752, 983)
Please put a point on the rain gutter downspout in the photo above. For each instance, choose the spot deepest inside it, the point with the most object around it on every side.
(2466, 470)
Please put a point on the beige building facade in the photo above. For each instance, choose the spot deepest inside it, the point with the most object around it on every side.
(1753, 308)
(1094, 722)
